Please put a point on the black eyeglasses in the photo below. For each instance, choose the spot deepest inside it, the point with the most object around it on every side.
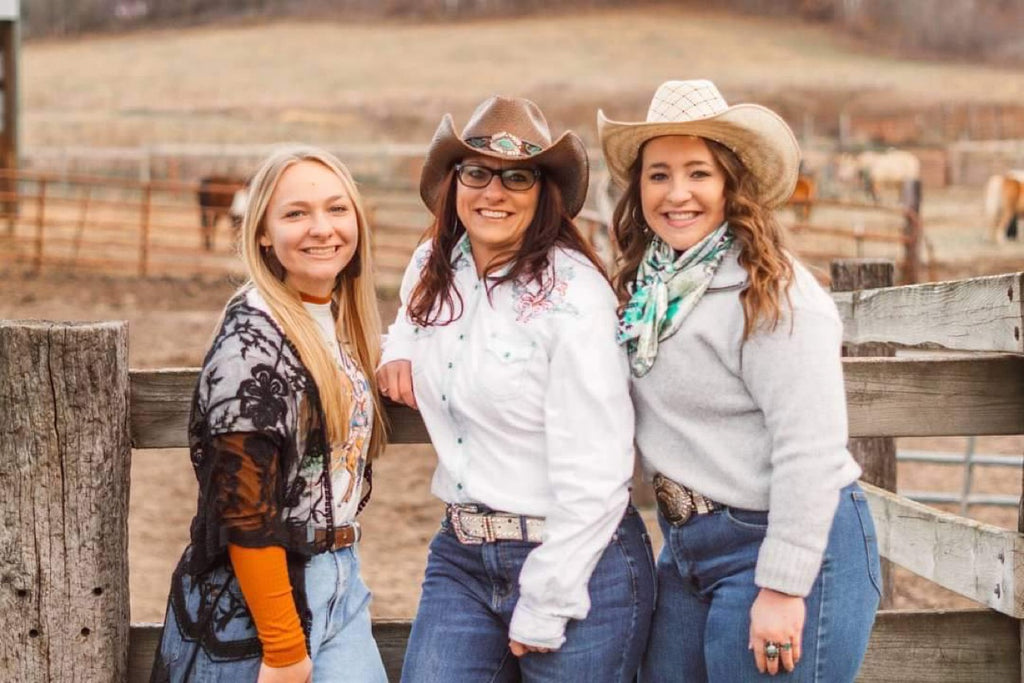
(515, 179)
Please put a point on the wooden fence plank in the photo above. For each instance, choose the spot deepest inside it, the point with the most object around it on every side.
(935, 396)
(976, 560)
(955, 646)
(980, 314)
(160, 402)
(885, 397)
(905, 646)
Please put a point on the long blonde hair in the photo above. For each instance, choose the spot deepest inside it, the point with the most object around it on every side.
(763, 250)
(353, 299)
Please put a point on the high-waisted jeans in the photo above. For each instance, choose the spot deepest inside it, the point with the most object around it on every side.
(460, 634)
(340, 639)
(706, 587)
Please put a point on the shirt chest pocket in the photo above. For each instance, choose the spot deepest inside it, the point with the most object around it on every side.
(504, 366)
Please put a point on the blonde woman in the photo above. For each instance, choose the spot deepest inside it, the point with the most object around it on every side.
(285, 419)
(770, 562)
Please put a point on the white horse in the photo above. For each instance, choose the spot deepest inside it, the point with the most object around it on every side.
(876, 170)
(237, 209)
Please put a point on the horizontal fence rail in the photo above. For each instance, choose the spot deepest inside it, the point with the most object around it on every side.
(885, 397)
(953, 393)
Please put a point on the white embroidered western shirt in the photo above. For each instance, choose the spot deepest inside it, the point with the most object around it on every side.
(526, 398)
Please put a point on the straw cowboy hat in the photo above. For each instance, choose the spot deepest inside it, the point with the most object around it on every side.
(510, 129)
(758, 136)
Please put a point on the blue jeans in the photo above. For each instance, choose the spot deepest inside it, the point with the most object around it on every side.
(460, 634)
(706, 587)
(342, 646)
(341, 642)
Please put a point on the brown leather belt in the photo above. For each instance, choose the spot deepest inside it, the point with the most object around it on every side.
(343, 536)
(678, 503)
(473, 526)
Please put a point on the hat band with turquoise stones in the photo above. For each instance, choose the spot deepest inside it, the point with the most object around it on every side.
(505, 143)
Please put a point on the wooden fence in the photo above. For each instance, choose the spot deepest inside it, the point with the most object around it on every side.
(128, 226)
(909, 234)
(71, 411)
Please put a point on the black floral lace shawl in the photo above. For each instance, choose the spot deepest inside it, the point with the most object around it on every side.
(271, 494)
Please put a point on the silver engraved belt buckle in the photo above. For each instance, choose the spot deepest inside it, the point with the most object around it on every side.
(674, 500)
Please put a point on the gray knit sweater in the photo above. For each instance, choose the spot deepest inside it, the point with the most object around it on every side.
(759, 424)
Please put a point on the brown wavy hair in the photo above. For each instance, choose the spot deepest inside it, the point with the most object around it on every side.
(551, 227)
(763, 244)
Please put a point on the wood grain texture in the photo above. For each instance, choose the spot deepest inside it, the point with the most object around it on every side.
(980, 314)
(906, 646)
(885, 397)
(943, 646)
(976, 560)
(161, 400)
(64, 475)
(936, 396)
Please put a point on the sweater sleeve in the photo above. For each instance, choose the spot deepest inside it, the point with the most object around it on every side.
(794, 375)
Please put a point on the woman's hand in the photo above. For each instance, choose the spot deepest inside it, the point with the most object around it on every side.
(299, 672)
(394, 380)
(520, 649)
(776, 618)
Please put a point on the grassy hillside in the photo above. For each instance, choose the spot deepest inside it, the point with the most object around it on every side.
(332, 82)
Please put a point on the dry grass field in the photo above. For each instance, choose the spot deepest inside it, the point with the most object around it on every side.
(338, 84)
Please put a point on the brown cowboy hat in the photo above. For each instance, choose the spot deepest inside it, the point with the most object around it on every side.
(510, 129)
(759, 137)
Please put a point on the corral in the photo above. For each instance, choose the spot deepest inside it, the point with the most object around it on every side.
(75, 404)
(86, 115)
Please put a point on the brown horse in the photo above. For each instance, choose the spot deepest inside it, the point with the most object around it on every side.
(803, 197)
(1004, 204)
(219, 197)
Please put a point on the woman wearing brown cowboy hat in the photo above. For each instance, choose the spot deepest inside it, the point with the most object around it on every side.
(769, 563)
(505, 341)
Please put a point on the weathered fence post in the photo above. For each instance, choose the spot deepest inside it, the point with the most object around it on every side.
(910, 199)
(145, 209)
(40, 224)
(64, 474)
(876, 455)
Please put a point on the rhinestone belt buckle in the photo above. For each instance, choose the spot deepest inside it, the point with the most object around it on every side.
(675, 502)
(455, 515)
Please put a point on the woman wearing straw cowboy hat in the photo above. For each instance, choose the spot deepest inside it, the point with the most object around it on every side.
(505, 341)
(769, 562)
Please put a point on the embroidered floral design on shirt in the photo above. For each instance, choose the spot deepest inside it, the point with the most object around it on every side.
(530, 300)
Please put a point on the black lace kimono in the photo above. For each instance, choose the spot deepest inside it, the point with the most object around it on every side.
(274, 493)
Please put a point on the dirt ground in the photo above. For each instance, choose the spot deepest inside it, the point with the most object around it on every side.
(170, 323)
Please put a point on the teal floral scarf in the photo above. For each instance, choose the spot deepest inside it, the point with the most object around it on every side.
(667, 288)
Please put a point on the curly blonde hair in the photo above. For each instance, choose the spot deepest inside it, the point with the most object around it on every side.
(763, 244)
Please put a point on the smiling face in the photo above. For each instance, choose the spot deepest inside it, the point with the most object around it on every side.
(682, 190)
(311, 225)
(495, 218)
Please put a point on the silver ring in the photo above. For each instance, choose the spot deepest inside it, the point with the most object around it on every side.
(771, 650)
